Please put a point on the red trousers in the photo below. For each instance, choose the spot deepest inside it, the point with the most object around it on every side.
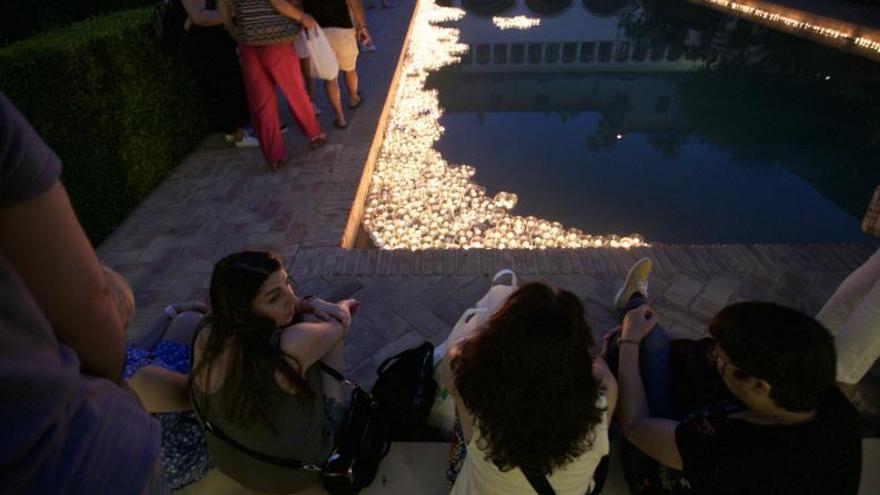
(264, 67)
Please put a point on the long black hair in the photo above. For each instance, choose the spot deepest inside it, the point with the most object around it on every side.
(250, 373)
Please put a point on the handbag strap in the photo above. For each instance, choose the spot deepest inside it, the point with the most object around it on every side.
(539, 483)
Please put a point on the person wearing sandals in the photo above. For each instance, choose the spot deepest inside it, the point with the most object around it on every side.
(265, 31)
(344, 25)
(531, 398)
(255, 376)
(781, 427)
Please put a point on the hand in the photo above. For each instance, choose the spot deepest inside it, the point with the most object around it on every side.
(363, 35)
(196, 306)
(307, 21)
(638, 323)
(328, 311)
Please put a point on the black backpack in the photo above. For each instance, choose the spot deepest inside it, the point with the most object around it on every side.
(405, 392)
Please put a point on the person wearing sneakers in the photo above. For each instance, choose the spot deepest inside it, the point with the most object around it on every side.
(210, 54)
(344, 25)
(265, 31)
(788, 428)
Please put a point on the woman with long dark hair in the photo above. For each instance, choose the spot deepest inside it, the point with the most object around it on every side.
(531, 398)
(254, 377)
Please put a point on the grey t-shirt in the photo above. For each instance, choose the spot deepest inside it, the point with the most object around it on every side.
(61, 431)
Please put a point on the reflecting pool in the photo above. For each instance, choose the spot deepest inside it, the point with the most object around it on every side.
(663, 118)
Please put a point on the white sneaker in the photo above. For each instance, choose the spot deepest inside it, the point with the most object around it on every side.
(247, 142)
(636, 281)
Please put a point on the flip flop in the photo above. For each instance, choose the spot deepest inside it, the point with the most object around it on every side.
(359, 103)
(337, 125)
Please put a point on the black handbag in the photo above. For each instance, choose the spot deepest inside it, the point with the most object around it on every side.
(353, 464)
(405, 392)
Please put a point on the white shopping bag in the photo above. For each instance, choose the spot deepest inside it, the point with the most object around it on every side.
(322, 58)
(442, 414)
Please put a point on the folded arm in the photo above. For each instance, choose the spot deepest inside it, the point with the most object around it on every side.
(50, 251)
(308, 342)
(653, 436)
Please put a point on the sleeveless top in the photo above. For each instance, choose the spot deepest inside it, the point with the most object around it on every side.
(480, 475)
(258, 23)
(304, 433)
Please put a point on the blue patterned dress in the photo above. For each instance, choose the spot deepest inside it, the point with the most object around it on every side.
(185, 458)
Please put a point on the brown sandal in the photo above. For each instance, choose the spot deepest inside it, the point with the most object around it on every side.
(318, 141)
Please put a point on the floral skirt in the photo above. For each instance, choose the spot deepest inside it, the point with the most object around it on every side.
(184, 453)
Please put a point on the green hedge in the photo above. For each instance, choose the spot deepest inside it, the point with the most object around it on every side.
(23, 18)
(118, 112)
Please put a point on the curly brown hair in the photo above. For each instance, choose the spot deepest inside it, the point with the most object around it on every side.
(526, 376)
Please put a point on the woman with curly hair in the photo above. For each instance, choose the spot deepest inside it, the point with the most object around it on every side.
(531, 397)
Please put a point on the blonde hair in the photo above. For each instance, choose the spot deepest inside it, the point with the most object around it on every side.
(123, 297)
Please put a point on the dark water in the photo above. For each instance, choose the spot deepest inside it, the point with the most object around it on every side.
(670, 120)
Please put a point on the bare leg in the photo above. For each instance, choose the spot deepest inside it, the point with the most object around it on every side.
(351, 82)
(306, 66)
(182, 327)
(332, 87)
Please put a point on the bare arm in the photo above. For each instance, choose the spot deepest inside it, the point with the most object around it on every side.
(608, 384)
(45, 243)
(287, 9)
(308, 342)
(161, 390)
(200, 16)
(227, 18)
(356, 9)
(654, 436)
(447, 376)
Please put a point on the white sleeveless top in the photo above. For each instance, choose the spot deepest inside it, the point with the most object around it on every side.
(481, 476)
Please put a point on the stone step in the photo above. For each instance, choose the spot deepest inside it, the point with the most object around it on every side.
(668, 259)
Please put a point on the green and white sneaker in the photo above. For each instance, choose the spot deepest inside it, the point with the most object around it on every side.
(636, 281)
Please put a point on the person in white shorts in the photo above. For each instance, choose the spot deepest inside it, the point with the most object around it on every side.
(344, 25)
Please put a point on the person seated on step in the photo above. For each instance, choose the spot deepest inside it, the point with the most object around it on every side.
(157, 370)
(852, 314)
(254, 374)
(345, 26)
(786, 429)
(531, 397)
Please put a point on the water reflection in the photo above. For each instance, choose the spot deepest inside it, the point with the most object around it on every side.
(756, 135)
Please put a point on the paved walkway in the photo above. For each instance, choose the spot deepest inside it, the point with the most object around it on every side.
(222, 200)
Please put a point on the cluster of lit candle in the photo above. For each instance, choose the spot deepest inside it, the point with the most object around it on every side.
(793, 23)
(419, 201)
(517, 22)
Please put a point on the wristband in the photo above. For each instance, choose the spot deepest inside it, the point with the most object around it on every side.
(170, 312)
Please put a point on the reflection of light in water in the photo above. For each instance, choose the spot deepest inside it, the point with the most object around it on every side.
(518, 22)
(799, 24)
(419, 201)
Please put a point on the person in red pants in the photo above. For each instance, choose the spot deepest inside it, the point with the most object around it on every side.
(265, 31)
